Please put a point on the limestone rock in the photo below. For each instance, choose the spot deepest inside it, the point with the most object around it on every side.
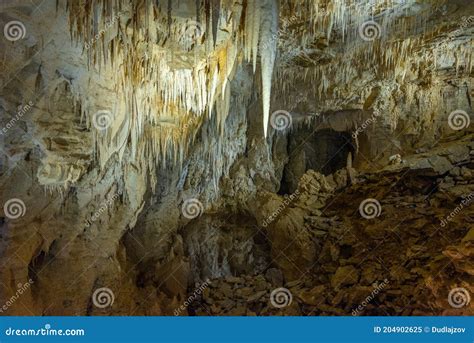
(344, 276)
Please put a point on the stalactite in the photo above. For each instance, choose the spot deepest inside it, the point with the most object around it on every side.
(197, 3)
(248, 28)
(255, 33)
(216, 12)
(208, 13)
(170, 6)
(160, 91)
(269, 28)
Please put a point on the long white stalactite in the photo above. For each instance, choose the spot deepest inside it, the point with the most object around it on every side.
(269, 30)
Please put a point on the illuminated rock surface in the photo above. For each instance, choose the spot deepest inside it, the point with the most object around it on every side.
(151, 147)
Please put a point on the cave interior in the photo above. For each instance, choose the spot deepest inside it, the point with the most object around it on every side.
(236, 157)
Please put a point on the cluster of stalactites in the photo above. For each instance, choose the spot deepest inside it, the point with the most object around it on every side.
(171, 72)
(410, 46)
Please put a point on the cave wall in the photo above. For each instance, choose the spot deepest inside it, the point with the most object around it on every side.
(96, 218)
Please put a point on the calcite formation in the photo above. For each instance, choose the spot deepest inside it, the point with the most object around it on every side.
(153, 149)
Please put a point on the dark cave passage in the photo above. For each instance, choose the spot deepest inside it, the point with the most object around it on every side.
(325, 151)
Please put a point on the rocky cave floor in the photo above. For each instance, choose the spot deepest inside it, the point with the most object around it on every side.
(411, 254)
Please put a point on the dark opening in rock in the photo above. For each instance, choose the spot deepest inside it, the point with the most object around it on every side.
(325, 151)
